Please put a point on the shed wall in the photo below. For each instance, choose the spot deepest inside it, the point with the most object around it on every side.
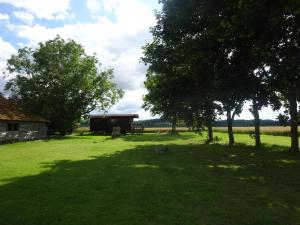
(106, 124)
(27, 131)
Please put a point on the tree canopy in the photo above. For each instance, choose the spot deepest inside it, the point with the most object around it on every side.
(60, 82)
(230, 51)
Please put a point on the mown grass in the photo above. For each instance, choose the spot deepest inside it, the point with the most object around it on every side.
(98, 180)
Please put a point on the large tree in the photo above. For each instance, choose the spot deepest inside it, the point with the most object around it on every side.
(178, 84)
(273, 28)
(162, 99)
(200, 27)
(60, 82)
(237, 50)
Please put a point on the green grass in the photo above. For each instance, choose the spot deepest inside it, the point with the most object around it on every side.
(98, 180)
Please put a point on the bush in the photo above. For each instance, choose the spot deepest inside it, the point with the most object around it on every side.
(82, 130)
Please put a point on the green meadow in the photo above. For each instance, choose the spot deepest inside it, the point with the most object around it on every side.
(99, 180)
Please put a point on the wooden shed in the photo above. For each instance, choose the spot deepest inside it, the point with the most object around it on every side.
(105, 123)
(17, 125)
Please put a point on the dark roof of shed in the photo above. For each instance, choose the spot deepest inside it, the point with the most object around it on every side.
(114, 115)
(11, 111)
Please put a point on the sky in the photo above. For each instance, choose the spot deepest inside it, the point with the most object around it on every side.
(115, 30)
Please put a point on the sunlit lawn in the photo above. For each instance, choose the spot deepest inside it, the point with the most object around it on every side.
(98, 180)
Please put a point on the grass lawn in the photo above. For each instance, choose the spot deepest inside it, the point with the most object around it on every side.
(95, 180)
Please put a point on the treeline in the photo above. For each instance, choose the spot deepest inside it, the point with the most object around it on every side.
(152, 123)
(208, 58)
(158, 123)
(247, 123)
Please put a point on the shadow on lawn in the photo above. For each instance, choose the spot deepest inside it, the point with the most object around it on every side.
(77, 136)
(156, 137)
(189, 185)
(129, 137)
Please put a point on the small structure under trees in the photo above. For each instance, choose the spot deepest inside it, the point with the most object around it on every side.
(105, 123)
(17, 125)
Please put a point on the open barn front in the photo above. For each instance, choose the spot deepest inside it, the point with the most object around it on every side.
(106, 123)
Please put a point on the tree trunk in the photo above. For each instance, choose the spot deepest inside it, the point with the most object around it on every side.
(210, 131)
(173, 132)
(209, 115)
(294, 123)
(255, 113)
(229, 126)
(62, 132)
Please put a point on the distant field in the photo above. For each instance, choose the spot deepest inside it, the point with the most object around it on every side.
(164, 129)
(275, 130)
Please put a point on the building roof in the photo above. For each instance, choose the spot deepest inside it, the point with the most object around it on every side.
(114, 115)
(10, 111)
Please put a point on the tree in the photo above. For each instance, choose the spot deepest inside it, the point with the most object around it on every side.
(230, 88)
(261, 95)
(175, 85)
(161, 98)
(201, 27)
(60, 82)
(236, 51)
(273, 27)
(186, 26)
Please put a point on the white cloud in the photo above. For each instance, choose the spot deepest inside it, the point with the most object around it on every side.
(93, 6)
(26, 17)
(131, 104)
(265, 113)
(130, 14)
(4, 16)
(47, 9)
(117, 43)
(6, 51)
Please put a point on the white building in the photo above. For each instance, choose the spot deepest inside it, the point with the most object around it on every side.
(16, 125)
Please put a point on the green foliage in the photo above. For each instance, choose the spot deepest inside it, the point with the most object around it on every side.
(161, 98)
(229, 52)
(85, 122)
(60, 82)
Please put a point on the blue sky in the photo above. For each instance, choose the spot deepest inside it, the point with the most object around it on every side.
(113, 29)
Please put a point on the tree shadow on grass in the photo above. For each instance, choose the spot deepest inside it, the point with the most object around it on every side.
(152, 137)
(63, 138)
(76, 137)
(189, 185)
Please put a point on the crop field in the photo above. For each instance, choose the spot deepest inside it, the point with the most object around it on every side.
(276, 130)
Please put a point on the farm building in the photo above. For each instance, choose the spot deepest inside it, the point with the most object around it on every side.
(17, 125)
(106, 123)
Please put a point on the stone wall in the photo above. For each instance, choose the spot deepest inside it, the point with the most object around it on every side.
(27, 131)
